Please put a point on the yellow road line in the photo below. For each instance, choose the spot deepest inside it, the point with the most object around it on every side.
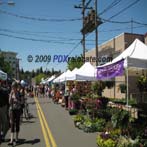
(43, 128)
(48, 129)
(46, 125)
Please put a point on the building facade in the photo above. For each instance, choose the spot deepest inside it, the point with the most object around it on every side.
(11, 58)
(110, 50)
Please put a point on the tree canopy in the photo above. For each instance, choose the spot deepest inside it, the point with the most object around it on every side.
(75, 62)
(5, 66)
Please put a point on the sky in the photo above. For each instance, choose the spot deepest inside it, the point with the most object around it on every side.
(44, 32)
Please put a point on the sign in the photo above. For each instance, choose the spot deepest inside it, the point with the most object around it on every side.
(110, 71)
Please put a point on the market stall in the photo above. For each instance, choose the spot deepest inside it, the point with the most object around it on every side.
(133, 57)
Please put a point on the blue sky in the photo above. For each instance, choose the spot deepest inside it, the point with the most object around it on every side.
(51, 27)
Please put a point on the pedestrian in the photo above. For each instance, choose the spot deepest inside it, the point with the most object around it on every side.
(66, 96)
(14, 112)
(36, 90)
(21, 91)
(4, 104)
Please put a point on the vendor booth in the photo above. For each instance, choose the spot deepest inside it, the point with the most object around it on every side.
(135, 56)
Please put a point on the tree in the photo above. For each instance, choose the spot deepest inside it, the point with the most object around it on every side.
(33, 73)
(41, 70)
(22, 71)
(53, 72)
(5, 66)
(75, 62)
(39, 77)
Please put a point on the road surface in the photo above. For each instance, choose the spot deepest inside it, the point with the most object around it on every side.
(50, 126)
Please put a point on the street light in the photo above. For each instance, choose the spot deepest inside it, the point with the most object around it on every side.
(10, 3)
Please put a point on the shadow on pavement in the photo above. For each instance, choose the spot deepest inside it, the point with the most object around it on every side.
(24, 141)
(44, 102)
(28, 121)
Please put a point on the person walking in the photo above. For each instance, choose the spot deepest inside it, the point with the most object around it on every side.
(66, 97)
(21, 91)
(14, 112)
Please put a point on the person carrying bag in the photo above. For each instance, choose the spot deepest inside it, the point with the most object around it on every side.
(14, 112)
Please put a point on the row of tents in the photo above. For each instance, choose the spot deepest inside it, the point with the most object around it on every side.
(87, 72)
(135, 56)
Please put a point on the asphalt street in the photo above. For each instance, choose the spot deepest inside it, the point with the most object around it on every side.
(50, 126)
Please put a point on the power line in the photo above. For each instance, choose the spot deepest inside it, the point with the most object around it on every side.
(124, 22)
(74, 47)
(124, 9)
(120, 29)
(38, 19)
(34, 34)
(71, 50)
(88, 3)
(111, 21)
(33, 39)
(121, 11)
(114, 3)
(145, 24)
(61, 38)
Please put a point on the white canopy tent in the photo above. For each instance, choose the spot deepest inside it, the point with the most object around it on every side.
(3, 75)
(62, 77)
(87, 72)
(70, 76)
(51, 78)
(43, 81)
(47, 80)
(65, 75)
(134, 56)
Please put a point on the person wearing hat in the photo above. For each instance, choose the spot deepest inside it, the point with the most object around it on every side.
(14, 111)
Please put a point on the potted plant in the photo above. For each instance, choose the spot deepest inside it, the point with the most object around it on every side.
(109, 84)
(75, 100)
(122, 88)
(73, 111)
(142, 85)
(104, 139)
(98, 87)
(79, 120)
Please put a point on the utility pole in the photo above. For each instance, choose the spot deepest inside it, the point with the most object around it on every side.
(83, 16)
(96, 35)
(90, 23)
(83, 7)
(17, 69)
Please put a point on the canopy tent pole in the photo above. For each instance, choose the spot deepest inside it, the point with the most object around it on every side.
(127, 82)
